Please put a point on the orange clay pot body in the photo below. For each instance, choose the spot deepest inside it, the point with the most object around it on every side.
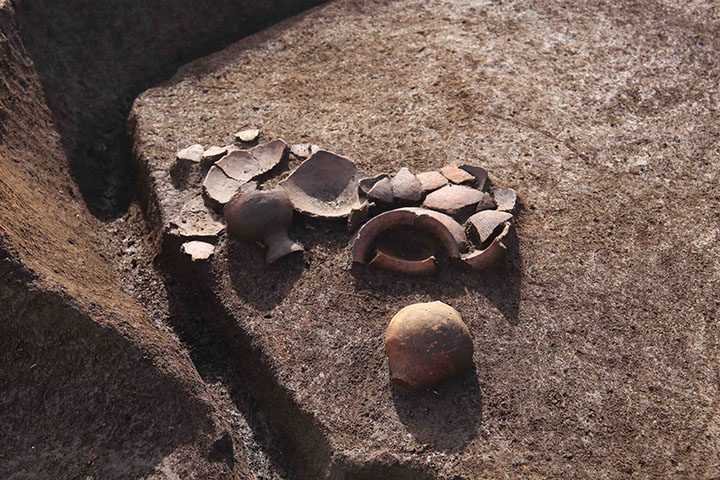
(426, 344)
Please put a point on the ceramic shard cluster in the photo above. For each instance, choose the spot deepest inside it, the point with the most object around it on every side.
(404, 222)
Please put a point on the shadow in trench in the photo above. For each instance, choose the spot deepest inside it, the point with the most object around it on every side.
(94, 58)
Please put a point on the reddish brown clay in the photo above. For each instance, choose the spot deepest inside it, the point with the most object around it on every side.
(427, 344)
(396, 264)
(453, 173)
(480, 259)
(450, 233)
(265, 217)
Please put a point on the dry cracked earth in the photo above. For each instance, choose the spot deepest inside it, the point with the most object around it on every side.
(596, 342)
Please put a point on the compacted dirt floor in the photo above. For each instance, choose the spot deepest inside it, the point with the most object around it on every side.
(596, 342)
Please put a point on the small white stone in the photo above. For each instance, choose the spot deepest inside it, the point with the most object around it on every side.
(198, 250)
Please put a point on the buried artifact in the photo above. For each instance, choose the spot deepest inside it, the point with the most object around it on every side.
(426, 344)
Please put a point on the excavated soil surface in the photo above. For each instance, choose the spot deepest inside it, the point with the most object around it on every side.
(596, 343)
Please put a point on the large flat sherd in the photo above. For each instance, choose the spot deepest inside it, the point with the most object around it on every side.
(218, 187)
(458, 201)
(431, 181)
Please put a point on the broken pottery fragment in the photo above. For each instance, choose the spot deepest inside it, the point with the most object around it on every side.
(185, 168)
(218, 188)
(247, 136)
(382, 191)
(304, 150)
(456, 175)
(244, 165)
(368, 182)
(447, 231)
(431, 181)
(479, 173)
(481, 226)
(480, 259)
(427, 344)
(239, 165)
(359, 215)
(324, 185)
(198, 251)
(191, 154)
(270, 154)
(486, 203)
(213, 154)
(412, 267)
(406, 187)
(506, 199)
(194, 220)
(263, 216)
(457, 201)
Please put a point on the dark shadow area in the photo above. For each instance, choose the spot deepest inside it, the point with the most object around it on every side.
(446, 417)
(384, 466)
(261, 285)
(217, 360)
(78, 400)
(500, 284)
(222, 352)
(94, 58)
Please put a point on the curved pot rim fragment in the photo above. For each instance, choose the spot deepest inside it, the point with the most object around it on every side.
(450, 233)
(425, 266)
(480, 259)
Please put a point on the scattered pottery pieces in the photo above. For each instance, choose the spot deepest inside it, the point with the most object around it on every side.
(457, 201)
(481, 226)
(247, 136)
(324, 185)
(406, 187)
(359, 215)
(486, 203)
(268, 155)
(195, 221)
(218, 188)
(198, 251)
(213, 154)
(479, 173)
(368, 182)
(431, 181)
(382, 191)
(304, 150)
(263, 216)
(192, 154)
(448, 232)
(456, 175)
(427, 344)
(506, 199)
(480, 259)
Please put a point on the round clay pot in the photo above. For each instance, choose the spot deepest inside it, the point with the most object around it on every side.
(427, 344)
(263, 216)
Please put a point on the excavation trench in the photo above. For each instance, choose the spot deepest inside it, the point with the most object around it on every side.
(92, 60)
